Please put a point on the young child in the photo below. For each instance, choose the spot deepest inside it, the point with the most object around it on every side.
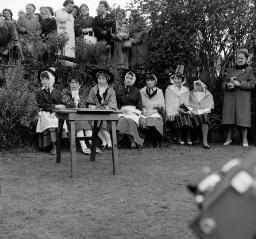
(177, 105)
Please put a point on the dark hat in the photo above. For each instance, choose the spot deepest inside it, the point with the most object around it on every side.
(105, 72)
(179, 72)
(204, 76)
(51, 70)
(76, 78)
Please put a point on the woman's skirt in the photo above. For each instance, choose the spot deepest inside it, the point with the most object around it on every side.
(157, 123)
(47, 137)
(200, 119)
(82, 125)
(182, 120)
(46, 128)
(129, 127)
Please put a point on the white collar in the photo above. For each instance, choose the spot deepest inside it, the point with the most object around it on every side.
(177, 90)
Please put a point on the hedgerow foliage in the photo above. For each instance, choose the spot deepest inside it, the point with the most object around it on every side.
(18, 109)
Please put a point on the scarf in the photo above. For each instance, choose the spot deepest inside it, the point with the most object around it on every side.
(102, 94)
(241, 67)
(151, 92)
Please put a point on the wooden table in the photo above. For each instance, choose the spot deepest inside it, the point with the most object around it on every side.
(85, 114)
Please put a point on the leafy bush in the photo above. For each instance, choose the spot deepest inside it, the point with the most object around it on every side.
(18, 109)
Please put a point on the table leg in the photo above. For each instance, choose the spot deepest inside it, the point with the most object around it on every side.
(58, 140)
(94, 137)
(114, 146)
(74, 169)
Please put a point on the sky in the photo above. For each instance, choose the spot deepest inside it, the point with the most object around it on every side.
(16, 5)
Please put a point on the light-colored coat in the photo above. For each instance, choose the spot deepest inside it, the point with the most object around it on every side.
(65, 24)
(237, 102)
(206, 103)
(175, 97)
(29, 24)
(156, 101)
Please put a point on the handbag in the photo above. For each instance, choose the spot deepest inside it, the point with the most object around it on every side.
(127, 44)
(90, 39)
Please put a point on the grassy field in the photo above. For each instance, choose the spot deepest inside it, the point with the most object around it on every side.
(146, 199)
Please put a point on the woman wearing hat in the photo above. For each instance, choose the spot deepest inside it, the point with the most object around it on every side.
(237, 88)
(48, 99)
(177, 105)
(201, 102)
(103, 96)
(153, 108)
(130, 103)
(74, 96)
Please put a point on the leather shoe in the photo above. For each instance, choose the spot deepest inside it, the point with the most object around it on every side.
(228, 142)
(206, 146)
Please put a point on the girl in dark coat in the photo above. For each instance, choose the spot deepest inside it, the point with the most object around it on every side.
(48, 99)
(237, 88)
(130, 103)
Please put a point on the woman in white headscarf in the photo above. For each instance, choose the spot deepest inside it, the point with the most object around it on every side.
(48, 99)
(130, 103)
(201, 102)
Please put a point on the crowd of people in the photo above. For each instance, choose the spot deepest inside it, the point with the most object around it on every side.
(144, 112)
(122, 35)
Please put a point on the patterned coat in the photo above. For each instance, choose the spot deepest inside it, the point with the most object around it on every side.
(109, 98)
(66, 97)
(29, 24)
(237, 102)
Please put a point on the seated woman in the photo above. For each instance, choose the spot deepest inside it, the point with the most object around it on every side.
(177, 105)
(48, 99)
(75, 97)
(103, 96)
(153, 108)
(130, 103)
(201, 102)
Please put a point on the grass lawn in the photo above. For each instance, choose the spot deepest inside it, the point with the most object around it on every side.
(146, 199)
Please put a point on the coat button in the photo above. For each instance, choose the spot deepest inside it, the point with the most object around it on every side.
(207, 225)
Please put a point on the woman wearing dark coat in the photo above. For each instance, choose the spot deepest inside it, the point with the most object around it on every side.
(130, 103)
(104, 23)
(84, 23)
(48, 23)
(48, 99)
(237, 88)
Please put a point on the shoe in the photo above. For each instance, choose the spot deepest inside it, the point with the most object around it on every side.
(189, 143)
(228, 142)
(133, 146)
(53, 151)
(245, 145)
(98, 151)
(109, 147)
(206, 146)
(86, 151)
(103, 147)
(180, 142)
(139, 146)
